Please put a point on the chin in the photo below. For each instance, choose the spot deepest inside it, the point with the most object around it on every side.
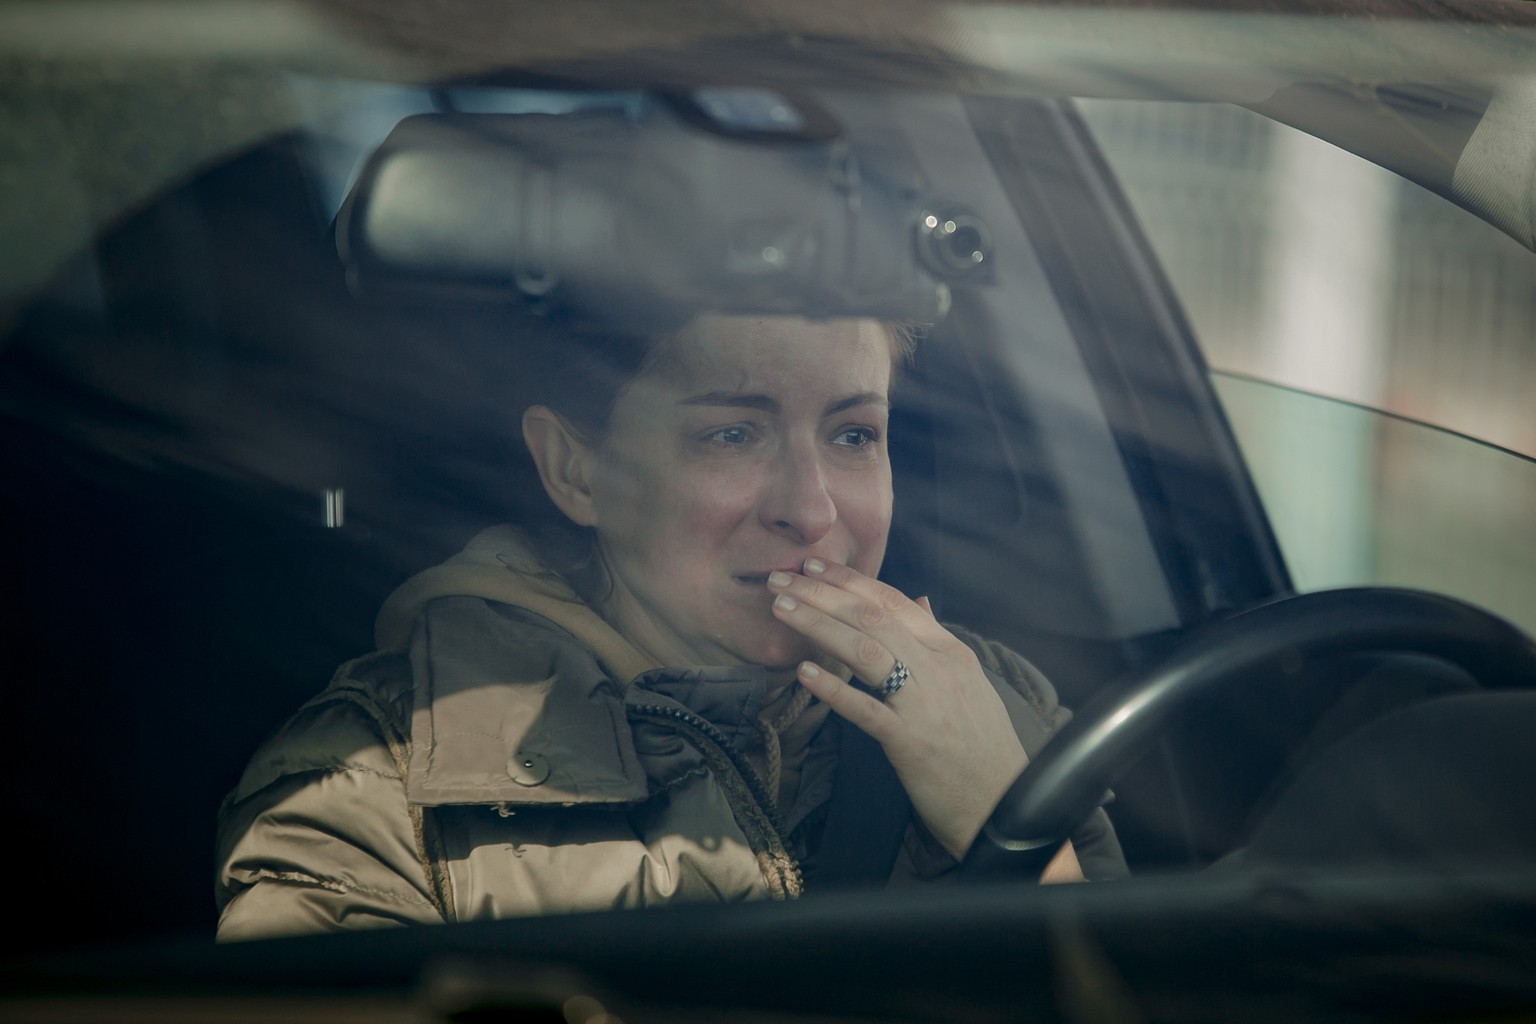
(778, 652)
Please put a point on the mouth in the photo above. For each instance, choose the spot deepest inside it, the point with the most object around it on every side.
(760, 579)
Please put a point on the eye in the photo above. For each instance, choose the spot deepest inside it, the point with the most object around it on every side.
(729, 436)
(856, 437)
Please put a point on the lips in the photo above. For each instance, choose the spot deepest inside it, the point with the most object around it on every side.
(760, 578)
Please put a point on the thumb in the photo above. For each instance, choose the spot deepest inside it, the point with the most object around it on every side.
(922, 603)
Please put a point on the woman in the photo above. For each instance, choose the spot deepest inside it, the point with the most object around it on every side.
(658, 719)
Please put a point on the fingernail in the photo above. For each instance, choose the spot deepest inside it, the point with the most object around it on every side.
(784, 603)
(815, 566)
(809, 669)
(778, 579)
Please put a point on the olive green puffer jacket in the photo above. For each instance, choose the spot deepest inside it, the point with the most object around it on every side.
(487, 763)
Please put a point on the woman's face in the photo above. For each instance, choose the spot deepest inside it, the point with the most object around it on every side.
(750, 444)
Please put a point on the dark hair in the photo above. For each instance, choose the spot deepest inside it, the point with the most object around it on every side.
(580, 373)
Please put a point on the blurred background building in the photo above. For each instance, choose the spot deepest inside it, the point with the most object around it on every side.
(1374, 346)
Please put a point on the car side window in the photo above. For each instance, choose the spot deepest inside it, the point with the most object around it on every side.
(1367, 338)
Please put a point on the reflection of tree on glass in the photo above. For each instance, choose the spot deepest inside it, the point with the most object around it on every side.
(641, 696)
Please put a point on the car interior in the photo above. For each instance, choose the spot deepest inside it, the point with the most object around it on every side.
(225, 453)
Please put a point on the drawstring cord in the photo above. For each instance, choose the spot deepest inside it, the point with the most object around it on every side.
(771, 727)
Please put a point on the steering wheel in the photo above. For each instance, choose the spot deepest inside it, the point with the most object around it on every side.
(1062, 786)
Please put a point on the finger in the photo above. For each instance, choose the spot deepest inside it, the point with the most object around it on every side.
(857, 708)
(1064, 867)
(867, 605)
(848, 578)
(868, 656)
(925, 627)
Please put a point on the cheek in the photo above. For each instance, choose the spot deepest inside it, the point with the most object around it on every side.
(713, 503)
(690, 508)
(865, 511)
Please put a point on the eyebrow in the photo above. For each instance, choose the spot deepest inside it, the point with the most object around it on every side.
(766, 403)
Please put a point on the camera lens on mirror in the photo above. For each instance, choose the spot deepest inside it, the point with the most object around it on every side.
(952, 242)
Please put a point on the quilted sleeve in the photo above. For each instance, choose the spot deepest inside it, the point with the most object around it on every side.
(318, 835)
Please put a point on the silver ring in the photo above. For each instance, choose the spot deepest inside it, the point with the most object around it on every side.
(894, 681)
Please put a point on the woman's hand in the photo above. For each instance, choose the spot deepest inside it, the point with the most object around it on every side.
(946, 731)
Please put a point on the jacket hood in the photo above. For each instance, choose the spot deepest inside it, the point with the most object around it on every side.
(499, 564)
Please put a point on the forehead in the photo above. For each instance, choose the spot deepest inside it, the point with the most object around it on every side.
(777, 352)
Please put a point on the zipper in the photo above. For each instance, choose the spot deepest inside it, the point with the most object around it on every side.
(757, 791)
(754, 781)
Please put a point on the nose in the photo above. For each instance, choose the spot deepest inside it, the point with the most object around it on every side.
(798, 504)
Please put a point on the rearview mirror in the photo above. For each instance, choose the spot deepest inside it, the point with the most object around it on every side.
(649, 220)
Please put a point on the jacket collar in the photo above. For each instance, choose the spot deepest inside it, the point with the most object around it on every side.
(499, 564)
(510, 708)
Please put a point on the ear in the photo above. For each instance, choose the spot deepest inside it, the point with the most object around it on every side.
(565, 463)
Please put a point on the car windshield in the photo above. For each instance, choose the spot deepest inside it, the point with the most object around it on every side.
(422, 430)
